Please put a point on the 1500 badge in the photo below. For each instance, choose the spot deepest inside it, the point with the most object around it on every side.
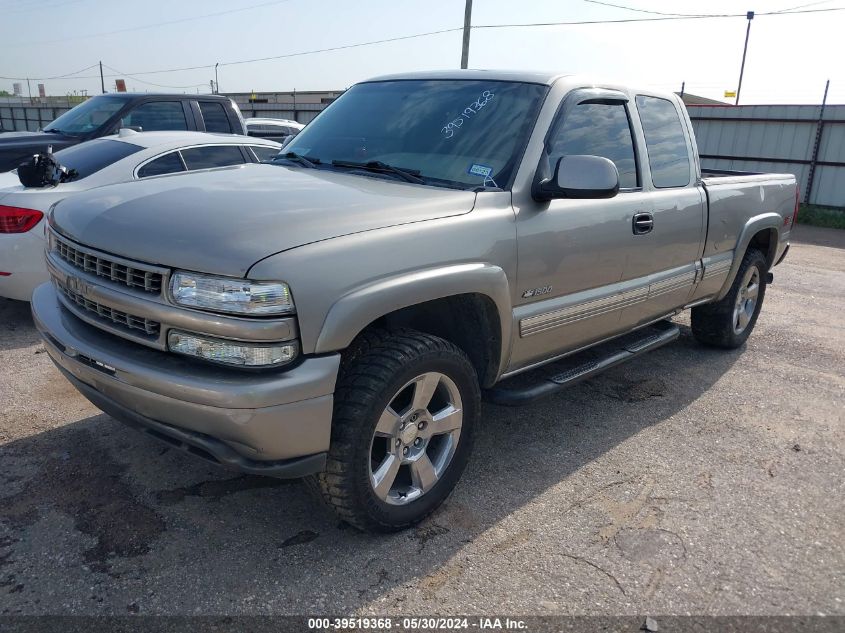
(536, 292)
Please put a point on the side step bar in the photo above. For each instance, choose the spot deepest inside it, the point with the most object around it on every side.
(528, 387)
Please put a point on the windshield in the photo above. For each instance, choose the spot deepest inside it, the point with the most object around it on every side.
(453, 132)
(89, 158)
(87, 116)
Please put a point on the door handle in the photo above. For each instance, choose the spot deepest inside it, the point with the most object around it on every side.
(643, 223)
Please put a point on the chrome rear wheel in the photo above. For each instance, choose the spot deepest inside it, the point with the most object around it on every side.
(746, 299)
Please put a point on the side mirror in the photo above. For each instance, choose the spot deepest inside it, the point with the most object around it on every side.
(579, 176)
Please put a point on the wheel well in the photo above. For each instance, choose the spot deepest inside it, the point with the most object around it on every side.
(470, 321)
(766, 241)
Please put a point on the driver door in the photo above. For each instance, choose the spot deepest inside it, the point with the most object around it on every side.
(572, 253)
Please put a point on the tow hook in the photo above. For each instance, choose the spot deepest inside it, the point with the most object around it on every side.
(770, 277)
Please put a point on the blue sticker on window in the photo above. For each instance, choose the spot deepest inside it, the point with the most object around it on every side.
(480, 170)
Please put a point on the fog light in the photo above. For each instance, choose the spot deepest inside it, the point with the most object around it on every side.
(232, 352)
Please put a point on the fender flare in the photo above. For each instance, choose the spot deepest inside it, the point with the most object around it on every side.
(354, 311)
(762, 222)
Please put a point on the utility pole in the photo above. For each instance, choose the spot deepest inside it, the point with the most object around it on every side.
(683, 85)
(749, 16)
(102, 81)
(216, 83)
(29, 87)
(467, 28)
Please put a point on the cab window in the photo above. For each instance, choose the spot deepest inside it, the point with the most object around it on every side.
(214, 115)
(598, 129)
(665, 142)
(157, 116)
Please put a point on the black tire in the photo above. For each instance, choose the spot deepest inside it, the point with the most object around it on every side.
(714, 323)
(372, 373)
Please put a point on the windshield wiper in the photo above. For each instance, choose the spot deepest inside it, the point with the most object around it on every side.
(301, 160)
(53, 130)
(408, 175)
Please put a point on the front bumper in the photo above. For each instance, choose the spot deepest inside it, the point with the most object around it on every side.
(272, 423)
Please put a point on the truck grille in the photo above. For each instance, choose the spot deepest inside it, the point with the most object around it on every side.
(102, 266)
(122, 319)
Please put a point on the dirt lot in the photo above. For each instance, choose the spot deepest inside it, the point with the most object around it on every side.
(688, 481)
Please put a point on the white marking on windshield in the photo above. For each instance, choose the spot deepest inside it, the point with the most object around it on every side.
(470, 111)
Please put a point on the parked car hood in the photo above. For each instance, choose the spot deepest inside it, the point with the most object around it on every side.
(223, 221)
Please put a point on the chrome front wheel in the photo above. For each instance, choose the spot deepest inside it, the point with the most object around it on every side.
(415, 438)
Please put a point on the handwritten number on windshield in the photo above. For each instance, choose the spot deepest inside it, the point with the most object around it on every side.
(470, 111)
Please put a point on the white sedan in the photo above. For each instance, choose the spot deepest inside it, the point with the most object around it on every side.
(281, 130)
(104, 161)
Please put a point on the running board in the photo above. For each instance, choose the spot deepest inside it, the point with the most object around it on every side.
(542, 382)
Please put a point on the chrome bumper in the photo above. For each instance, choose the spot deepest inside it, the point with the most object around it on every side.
(243, 419)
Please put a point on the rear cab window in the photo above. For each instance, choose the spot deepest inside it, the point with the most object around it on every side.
(215, 117)
(89, 158)
(668, 150)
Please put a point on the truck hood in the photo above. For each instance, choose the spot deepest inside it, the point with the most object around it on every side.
(16, 147)
(223, 221)
(25, 139)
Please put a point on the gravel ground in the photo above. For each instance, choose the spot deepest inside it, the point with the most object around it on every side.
(687, 481)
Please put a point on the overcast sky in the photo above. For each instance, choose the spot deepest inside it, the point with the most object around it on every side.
(789, 57)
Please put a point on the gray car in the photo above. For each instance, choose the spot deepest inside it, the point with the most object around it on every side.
(339, 313)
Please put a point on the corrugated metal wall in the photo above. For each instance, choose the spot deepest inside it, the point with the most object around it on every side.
(777, 138)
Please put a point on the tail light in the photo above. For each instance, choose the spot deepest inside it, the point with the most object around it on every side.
(795, 213)
(18, 220)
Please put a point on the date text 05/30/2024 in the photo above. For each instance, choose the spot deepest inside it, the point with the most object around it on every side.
(416, 623)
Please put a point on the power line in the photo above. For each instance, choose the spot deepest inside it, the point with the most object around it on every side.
(619, 6)
(703, 15)
(149, 83)
(801, 6)
(344, 47)
(39, 7)
(438, 32)
(158, 24)
(657, 19)
(261, 59)
(67, 76)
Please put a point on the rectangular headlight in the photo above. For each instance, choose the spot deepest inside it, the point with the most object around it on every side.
(232, 352)
(235, 296)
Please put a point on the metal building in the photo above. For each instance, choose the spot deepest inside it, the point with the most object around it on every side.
(798, 139)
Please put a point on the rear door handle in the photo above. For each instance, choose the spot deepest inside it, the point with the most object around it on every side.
(643, 223)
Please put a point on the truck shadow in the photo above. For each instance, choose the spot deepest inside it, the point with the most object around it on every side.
(136, 506)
